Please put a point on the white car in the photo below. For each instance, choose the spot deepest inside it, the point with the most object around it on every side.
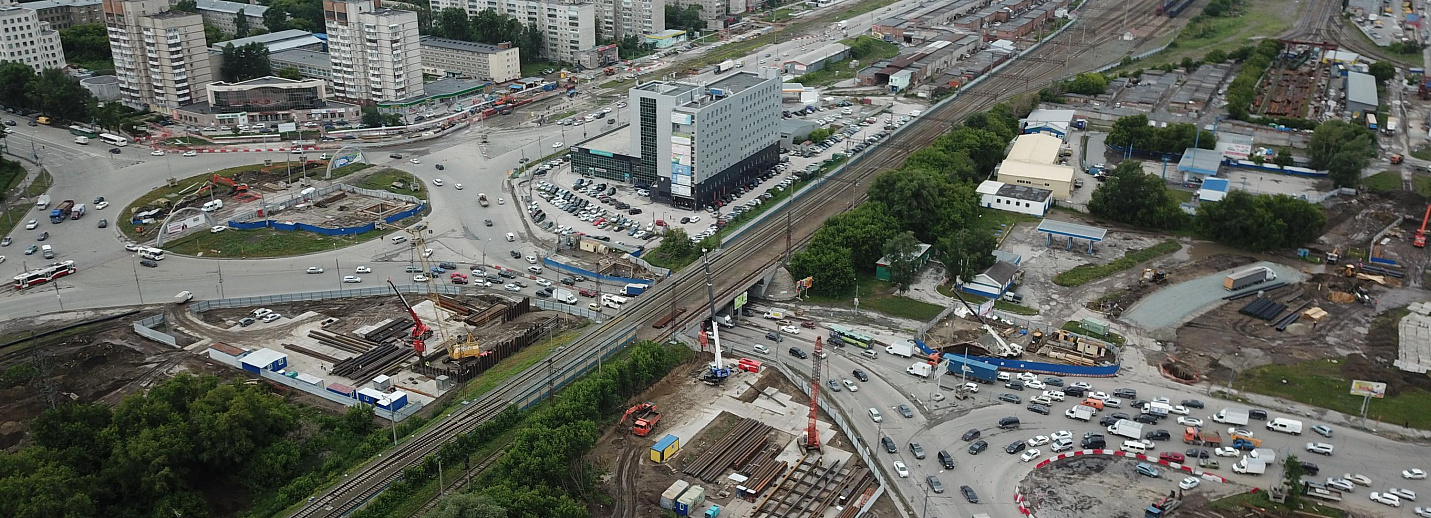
(275, 316)
(556, 145)
(1026, 377)
(421, 277)
(1113, 402)
(901, 470)
(1099, 395)
(1239, 431)
(695, 219)
(1054, 395)
(790, 329)
(132, 247)
(1162, 399)
(511, 287)
(427, 252)
(1042, 400)
(1413, 474)
(437, 182)
(217, 228)
(315, 269)
(1038, 440)
(1423, 512)
(191, 153)
(1030, 455)
(415, 161)
(1180, 410)
(1061, 434)
(1404, 494)
(1320, 448)
(1189, 421)
(1081, 384)
(1035, 385)
(1340, 483)
(2, 258)
(457, 186)
(1226, 451)
(1385, 498)
(30, 225)
(101, 205)
(971, 387)
(1189, 483)
(875, 415)
(362, 269)
(156, 152)
(850, 385)
(1358, 479)
(257, 313)
(352, 279)
(543, 283)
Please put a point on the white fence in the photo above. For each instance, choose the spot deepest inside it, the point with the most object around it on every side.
(145, 328)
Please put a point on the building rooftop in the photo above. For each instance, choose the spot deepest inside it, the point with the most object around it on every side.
(305, 57)
(737, 82)
(275, 41)
(1064, 228)
(1050, 172)
(1361, 88)
(1036, 148)
(1001, 272)
(666, 88)
(819, 54)
(668, 33)
(923, 249)
(47, 4)
(266, 80)
(1024, 192)
(224, 6)
(464, 46)
(1200, 161)
(1056, 119)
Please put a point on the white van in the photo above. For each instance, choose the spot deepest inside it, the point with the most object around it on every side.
(1134, 447)
(511, 237)
(1285, 425)
(397, 240)
(213, 205)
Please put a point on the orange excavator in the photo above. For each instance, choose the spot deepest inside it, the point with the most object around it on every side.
(646, 419)
(237, 187)
(1420, 240)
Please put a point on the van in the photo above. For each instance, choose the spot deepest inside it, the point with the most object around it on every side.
(213, 205)
(1284, 425)
(1093, 402)
(1133, 447)
(511, 237)
(869, 353)
(1009, 423)
(397, 240)
(1004, 376)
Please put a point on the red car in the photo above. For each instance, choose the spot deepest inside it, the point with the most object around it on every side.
(587, 292)
(1171, 456)
(808, 324)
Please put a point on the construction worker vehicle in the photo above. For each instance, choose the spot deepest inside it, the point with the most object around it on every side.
(646, 419)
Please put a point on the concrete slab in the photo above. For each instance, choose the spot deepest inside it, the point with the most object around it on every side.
(1414, 351)
(1178, 303)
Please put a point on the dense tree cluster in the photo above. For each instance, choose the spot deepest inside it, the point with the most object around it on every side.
(1087, 83)
(1135, 131)
(1343, 149)
(52, 92)
(1243, 89)
(1132, 196)
(85, 43)
(677, 248)
(304, 15)
(490, 27)
(245, 62)
(688, 19)
(1259, 222)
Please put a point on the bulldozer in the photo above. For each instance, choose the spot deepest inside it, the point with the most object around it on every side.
(1153, 276)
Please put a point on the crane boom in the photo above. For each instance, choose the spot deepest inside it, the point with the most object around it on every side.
(1420, 240)
(718, 371)
(1006, 349)
(420, 331)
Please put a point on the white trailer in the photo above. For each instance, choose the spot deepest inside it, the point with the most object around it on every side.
(1127, 428)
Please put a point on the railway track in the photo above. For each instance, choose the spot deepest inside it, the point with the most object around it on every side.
(734, 267)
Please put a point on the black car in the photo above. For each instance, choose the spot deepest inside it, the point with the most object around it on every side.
(798, 353)
(1146, 419)
(148, 263)
(507, 274)
(1125, 392)
(633, 212)
(1053, 381)
(439, 167)
(1107, 420)
(1119, 415)
(969, 494)
(1138, 403)
(1310, 468)
(1158, 435)
(1094, 442)
(1009, 422)
(568, 281)
(1014, 447)
(1010, 398)
(860, 375)
(395, 155)
(1260, 415)
(1192, 403)
(773, 337)
(103, 223)
(447, 265)
(247, 321)
(1015, 385)
(1038, 409)
(43, 236)
(1198, 453)
(515, 254)
(114, 150)
(543, 293)
(945, 459)
(978, 446)
(972, 434)
(1074, 391)
(905, 411)
(888, 444)
(934, 484)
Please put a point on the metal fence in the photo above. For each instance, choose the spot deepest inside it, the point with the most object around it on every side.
(837, 416)
(571, 309)
(145, 328)
(284, 298)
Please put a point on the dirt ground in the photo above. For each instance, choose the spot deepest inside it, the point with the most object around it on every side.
(1109, 487)
(97, 363)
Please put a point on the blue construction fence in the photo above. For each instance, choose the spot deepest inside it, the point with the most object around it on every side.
(1011, 364)
(549, 263)
(339, 231)
(1274, 168)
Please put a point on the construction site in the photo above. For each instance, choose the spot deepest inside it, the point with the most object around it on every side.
(1298, 83)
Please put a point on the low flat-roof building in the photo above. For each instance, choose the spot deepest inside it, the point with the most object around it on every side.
(310, 64)
(1022, 199)
(667, 38)
(63, 14)
(1033, 161)
(1361, 94)
(497, 63)
(1053, 122)
(266, 101)
(276, 41)
(817, 59)
(1037, 148)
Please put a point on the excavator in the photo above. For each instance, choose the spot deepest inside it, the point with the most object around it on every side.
(237, 187)
(420, 331)
(1420, 240)
(646, 419)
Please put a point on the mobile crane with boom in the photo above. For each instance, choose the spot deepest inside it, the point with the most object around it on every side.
(420, 331)
(1420, 240)
(1006, 350)
(718, 372)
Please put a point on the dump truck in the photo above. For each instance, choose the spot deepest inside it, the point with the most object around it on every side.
(1235, 416)
(1197, 437)
(62, 211)
(1126, 428)
(646, 419)
(1248, 277)
(1249, 466)
(482, 199)
(1256, 443)
(920, 369)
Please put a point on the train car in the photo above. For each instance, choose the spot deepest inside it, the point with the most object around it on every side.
(1177, 9)
(1164, 5)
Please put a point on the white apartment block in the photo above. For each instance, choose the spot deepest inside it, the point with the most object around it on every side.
(224, 14)
(159, 55)
(568, 29)
(374, 51)
(620, 18)
(28, 40)
(496, 63)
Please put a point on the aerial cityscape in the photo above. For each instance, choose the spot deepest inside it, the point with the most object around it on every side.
(779, 259)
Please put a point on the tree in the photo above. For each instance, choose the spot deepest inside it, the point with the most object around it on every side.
(467, 505)
(1345, 169)
(214, 35)
(818, 134)
(60, 95)
(902, 252)
(1334, 136)
(1215, 56)
(1383, 71)
(245, 62)
(1292, 477)
(688, 19)
(188, 6)
(15, 79)
(85, 42)
(1088, 83)
(1283, 158)
(676, 245)
(1259, 222)
(967, 252)
(1134, 131)
(289, 72)
(632, 46)
(829, 265)
(275, 19)
(241, 29)
(453, 23)
(923, 201)
(1131, 196)
(985, 147)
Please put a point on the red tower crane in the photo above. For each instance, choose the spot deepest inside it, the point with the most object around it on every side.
(420, 331)
(1420, 240)
(812, 434)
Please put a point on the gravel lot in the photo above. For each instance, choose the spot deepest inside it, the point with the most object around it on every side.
(1107, 487)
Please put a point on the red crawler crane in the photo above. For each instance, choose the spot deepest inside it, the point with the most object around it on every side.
(812, 434)
(420, 331)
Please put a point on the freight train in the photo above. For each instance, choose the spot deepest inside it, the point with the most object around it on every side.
(1172, 8)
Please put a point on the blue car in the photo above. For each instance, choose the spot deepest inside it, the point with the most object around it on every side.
(1243, 444)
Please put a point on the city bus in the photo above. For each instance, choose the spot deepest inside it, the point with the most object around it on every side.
(81, 131)
(849, 336)
(155, 254)
(113, 140)
(44, 274)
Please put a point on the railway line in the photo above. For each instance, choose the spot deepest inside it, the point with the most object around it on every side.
(734, 267)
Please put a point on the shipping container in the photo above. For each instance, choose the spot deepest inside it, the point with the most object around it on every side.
(264, 360)
(690, 500)
(382, 382)
(668, 498)
(393, 402)
(665, 448)
(342, 390)
(370, 396)
(1094, 325)
(309, 379)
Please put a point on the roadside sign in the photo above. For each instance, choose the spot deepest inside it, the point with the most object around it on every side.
(740, 299)
(1364, 388)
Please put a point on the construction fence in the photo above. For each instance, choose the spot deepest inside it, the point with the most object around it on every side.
(287, 298)
(145, 328)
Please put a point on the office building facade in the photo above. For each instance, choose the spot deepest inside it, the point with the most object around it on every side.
(29, 40)
(621, 18)
(374, 51)
(63, 14)
(496, 63)
(266, 101)
(568, 29)
(159, 54)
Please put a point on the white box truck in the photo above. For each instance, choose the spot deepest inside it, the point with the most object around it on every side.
(1127, 428)
(1284, 425)
(1268, 456)
(1080, 412)
(43, 202)
(920, 369)
(565, 296)
(902, 349)
(1249, 466)
(82, 140)
(1235, 416)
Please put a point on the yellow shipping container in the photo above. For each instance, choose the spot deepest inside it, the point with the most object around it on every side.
(665, 448)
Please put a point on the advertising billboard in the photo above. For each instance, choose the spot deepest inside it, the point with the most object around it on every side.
(1364, 388)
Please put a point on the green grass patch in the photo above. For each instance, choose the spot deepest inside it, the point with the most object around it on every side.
(1086, 273)
(514, 364)
(42, 183)
(1001, 222)
(1076, 327)
(384, 181)
(1260, 19)
(1385, 181)
(1240, 501)
(878, 295)
(1423, 152)
(1017, 309)
(350, 169)
(535, 68)
(780, 15)
(1180, 196)
(263, 242)
(11, 174)
(1321, 383)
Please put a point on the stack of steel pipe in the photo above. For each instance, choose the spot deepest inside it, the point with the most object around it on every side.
(386, 364)
(395, 329)
(1288, 320)
(740, 444)
(454, 305)
(346, 343)
(304, 350)
(1265, 309)
(355, 363)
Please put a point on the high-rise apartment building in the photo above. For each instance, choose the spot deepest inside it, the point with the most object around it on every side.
(568, 29)
(374, 51)
(712, 11)
(27, 39)
(159, 55)
(621, 18)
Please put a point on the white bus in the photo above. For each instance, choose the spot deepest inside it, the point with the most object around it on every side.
(44, 274)
(113, 140)
(151, 253)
